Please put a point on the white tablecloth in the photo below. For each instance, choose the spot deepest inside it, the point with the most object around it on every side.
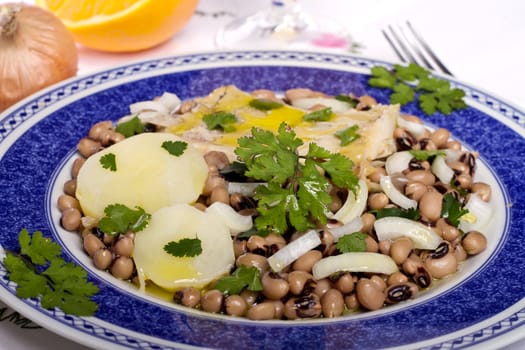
(480, 41)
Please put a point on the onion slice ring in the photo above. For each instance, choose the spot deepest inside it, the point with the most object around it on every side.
(354, 262)
(293, 250)
(392, 227)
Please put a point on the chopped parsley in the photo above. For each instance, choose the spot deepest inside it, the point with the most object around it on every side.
(348, 135)
(348, 99)
(353, 242)
(408, 82)
(452, 210)
(186, 247)
(121, 219)
(40, 271)
(296, 191)
(131, 127)
(321, 115)
(411, 213)
(175, 148)
(264, 104)
(425, 155)
(243, 277)
(220, 121)
(109, 161)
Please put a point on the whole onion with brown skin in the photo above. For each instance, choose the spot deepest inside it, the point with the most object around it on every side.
(36, 50)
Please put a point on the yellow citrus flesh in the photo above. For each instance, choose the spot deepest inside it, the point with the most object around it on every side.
(122, 25)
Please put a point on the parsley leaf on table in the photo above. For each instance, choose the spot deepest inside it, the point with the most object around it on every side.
(40, 271)
(411, 81)
(120, 219)
(188, 247)
(296, 191)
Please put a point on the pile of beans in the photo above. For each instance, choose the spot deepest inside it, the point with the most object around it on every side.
(293, 293)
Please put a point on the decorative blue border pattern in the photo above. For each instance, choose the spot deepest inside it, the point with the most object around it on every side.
(199, 72)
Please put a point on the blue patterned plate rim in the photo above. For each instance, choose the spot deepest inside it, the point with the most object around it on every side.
(486, 306)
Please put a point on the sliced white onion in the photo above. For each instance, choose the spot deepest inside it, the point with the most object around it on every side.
(293, 250)
(392, 227)
(244, 188)
(397, 162)
(414, 128)
(480, 212)
(354, 262)
(234, 221)
(336, 105)
(170, 100)
(441, 169)
(354, 225)
(353, 206)
(452, 154)
(156, 106)
(395, 195)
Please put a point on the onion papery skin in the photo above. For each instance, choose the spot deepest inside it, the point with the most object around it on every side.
(38, 53)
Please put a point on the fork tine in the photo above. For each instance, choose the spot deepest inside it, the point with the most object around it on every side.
(430, 52)
(416, 49)
(401, 44)
(394, 47)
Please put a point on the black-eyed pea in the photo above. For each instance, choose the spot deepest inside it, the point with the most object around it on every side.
(297, 281)
(307, 261)
(442, 262)
(99, 128)
(463, 181)
(257, 244)
(344, 283)
(188, 296)
(415, 190)
(446, 231)
(377, 200)
(122, 267)
(70, 187)
(369, 295)
(401, 249)
(212, 301)
(235, 305)
(87, 147)
(219, 194)
(303, 306)
(453, 145)
(371, 245)
(396, 278)
(400, 292)
(66, 201)
(379, 282)
(274, 286)
(332, 303)
(482, 189)
(423, 176)
(123, 246)
(92, 243)
(102, 258)
(351, 302)
(474, 242)
(262, 311)
(322, 286)
(249, 296)
(368, 222)
(430, 205)
(440, 137)
(384, 246)
(71, 219)
(77, 164)
(253, 260)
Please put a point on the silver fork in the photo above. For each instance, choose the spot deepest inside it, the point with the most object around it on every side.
(410, 46)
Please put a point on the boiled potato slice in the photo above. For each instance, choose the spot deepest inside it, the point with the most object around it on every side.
(173, 224)
(147, 176)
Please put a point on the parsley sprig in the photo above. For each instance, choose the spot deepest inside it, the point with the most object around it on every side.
(186, 247)
(243, 277)
(120, 219)
(408, 82)
(40, 271)
(297, 191)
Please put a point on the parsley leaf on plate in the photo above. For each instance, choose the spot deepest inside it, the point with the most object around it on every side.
(109, 161)
(319, 115)
(426, 154)
(452, 210)
(243, 277)
(297, 191)
(348, 135)
(120, 219)
(353, 242)
(220, 121)
(131, 127)
(40, 271)
(411, 213)
(175, 148)
(188, 247)
(264, 104)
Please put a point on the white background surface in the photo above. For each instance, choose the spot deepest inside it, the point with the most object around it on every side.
(481, 42)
